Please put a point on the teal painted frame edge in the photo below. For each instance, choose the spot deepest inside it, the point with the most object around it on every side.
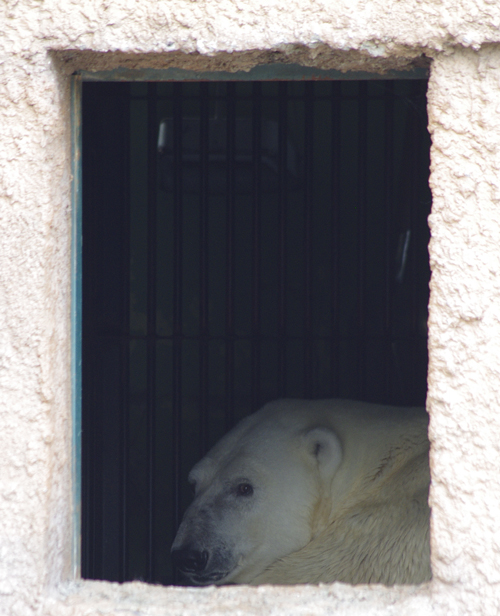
(262, 72)
(76, 321)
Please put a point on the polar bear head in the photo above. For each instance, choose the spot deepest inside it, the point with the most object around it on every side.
(256, 495)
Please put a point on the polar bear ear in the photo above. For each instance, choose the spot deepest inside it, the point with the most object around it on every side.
(324, 445)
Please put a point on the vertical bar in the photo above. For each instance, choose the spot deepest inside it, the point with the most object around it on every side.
(124, 454)
(335, 235)
(282, 199)
(230, 239)
(76, 321)
(362, 179)
(308, 206)
(256, 205)
(414, 167)
(151, 319)
(125, 350)
(204, 257)
(177, 301)
(389, 205)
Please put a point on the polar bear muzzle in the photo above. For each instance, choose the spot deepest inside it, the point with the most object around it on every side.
(190, 561)
(200, 566)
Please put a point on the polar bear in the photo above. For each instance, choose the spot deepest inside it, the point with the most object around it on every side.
(311, 491)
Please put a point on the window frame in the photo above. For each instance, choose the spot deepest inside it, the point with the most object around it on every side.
(271, 72)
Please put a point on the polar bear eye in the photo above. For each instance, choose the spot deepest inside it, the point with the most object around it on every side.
(244, 489)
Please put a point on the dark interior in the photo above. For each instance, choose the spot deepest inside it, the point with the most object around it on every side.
(242, 241)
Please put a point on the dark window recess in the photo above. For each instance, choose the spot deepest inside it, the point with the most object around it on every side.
(241, 242)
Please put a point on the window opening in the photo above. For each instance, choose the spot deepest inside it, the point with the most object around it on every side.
(242, 241)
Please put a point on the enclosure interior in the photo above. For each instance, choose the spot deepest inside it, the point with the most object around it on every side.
(242, 241)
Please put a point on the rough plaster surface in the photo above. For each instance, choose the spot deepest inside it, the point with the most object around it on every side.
(41, 43)
(464, 342)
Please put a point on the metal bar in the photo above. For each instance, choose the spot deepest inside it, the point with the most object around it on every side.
(238, 337)
(230, 246)
(283, 201)
(125, 350)
(308, 208)
(177, 303)
(414, 155)
(151, 319)
(335, 239)
(96, 464)
(256, 247)
(362, 179)
(204, 260)
(389, 246)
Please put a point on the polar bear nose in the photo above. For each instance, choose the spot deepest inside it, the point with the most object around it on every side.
(190, 561)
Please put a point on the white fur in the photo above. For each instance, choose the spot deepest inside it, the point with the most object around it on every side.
(340, 493)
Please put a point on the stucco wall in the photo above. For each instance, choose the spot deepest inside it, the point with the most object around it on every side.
(41, 43)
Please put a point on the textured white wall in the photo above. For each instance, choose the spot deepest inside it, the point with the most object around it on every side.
(464, 342)
(40, 44)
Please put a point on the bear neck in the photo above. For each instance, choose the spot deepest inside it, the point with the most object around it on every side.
(371, 524)
(376, 457)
